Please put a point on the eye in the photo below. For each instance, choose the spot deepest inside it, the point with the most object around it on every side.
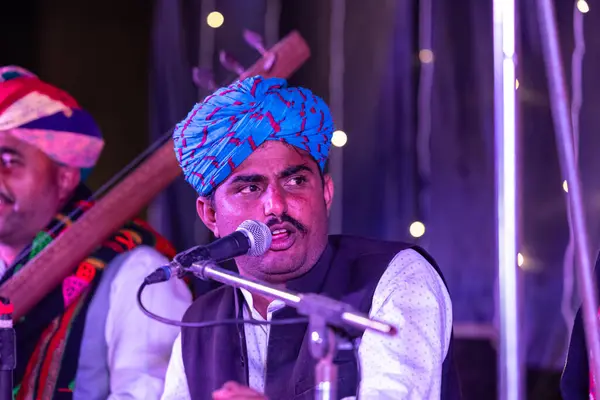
(249, 189)
(9, 160)
(297, 180)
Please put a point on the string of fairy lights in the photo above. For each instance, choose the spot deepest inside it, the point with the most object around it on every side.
(416, 228)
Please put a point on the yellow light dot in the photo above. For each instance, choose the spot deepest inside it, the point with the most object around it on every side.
(426, 56)
(417, 229)
(520, 259)
(565, 186)
(215, 19)
(516, 84)
(583, 6)
(339, 138)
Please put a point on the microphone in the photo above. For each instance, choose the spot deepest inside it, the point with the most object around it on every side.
(251, 237)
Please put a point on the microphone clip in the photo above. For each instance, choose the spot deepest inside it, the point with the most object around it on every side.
(166, 272)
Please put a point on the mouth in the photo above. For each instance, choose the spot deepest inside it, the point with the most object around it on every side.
(283, 237)
(5, 201)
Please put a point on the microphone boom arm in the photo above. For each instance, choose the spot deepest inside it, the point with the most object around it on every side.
(323, 313)
(335, 312)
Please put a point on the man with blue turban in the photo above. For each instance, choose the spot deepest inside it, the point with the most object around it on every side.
(257, 150)
(87, 338)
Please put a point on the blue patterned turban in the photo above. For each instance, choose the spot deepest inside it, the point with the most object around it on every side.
(222, 131)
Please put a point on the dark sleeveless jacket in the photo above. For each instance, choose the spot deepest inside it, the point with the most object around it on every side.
(348, 270)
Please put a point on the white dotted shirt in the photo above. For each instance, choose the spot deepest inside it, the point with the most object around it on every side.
(409, 295)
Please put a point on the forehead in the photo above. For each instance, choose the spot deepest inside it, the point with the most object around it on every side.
(9, 141)
(12, 144)
(272, 157)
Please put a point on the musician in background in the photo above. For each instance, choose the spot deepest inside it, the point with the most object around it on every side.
(87, 339)
(256, 150)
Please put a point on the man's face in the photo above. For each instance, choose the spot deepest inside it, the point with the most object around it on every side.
(280, 186)
(31, 190)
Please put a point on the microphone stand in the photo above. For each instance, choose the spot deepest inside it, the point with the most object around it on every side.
(323, 314)
(8, 360)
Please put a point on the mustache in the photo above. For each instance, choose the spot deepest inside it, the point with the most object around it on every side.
(286, 218)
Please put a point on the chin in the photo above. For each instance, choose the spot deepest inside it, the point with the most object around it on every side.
(281, 261)
(278, 278)
(274, 267)
(285, 272)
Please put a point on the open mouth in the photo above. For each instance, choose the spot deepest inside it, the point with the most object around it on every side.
(282, 237)
(280, 233)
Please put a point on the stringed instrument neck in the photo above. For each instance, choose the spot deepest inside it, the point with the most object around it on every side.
(60, 258)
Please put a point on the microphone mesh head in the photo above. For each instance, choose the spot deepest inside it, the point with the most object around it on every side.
(259, 235)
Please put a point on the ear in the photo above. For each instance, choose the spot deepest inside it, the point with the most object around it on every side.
(328, 189)
(68, 179)
(207, 214)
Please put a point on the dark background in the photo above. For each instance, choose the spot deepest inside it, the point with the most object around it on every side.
(129, 63)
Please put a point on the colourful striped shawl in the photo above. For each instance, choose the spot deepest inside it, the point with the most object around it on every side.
(49, 336)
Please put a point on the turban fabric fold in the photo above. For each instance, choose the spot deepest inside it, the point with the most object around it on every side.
(222, 131)
(47, 118)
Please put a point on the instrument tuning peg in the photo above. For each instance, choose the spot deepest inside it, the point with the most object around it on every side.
(204, 78)
(255, 41)
(230, 63)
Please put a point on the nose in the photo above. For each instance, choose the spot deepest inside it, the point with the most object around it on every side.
(5, 173)
(275, 202)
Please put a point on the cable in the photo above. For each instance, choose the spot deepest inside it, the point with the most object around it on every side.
(423, 134)
(567, 310)
(272, 16)
(211, 324)
(337, 67)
